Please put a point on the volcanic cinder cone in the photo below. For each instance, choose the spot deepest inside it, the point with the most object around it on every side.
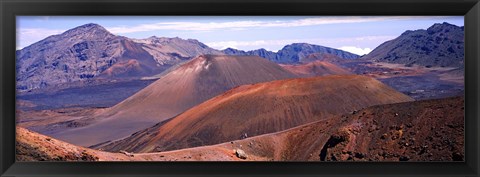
(192, 83)
(262, 108)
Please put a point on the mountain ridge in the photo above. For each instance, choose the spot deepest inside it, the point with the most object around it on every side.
(442, 44)
(292, 53)
(90, 52)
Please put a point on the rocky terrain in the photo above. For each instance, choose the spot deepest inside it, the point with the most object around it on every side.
(439, 45)
(430, 130)
(418, 82)
(192, 83)
(293, 53)
(251, 110)
(89, 52)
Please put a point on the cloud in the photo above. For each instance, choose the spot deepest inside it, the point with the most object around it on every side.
(356, 50)
(267, 44)
(275, 45)
(27, 36)
(235, 25)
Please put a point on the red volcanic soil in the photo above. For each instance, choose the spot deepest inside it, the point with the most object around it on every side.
(192, 83)
(316, 68)
(123, 68)
(430, 130)
(31, 146)
(262, 108)
(134, 61)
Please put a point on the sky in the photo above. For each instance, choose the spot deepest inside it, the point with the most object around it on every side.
(356, 34)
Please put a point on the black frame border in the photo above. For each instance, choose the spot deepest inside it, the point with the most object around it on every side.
(10, 8)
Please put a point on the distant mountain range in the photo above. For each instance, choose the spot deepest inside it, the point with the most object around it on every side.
(439, 45)
(293, 53)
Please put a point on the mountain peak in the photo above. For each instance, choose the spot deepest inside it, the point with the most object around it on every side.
(302, 46)
(442, 44)
(437, 27)
(443, 24)
(262, 49)
(94, 25)
(229, 48)
(88, 28)
(298, 45)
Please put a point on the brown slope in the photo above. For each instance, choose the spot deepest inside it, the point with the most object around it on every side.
(192, 83)
(261, 108)
(316, 68)
(31, 146)
(429, 130)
